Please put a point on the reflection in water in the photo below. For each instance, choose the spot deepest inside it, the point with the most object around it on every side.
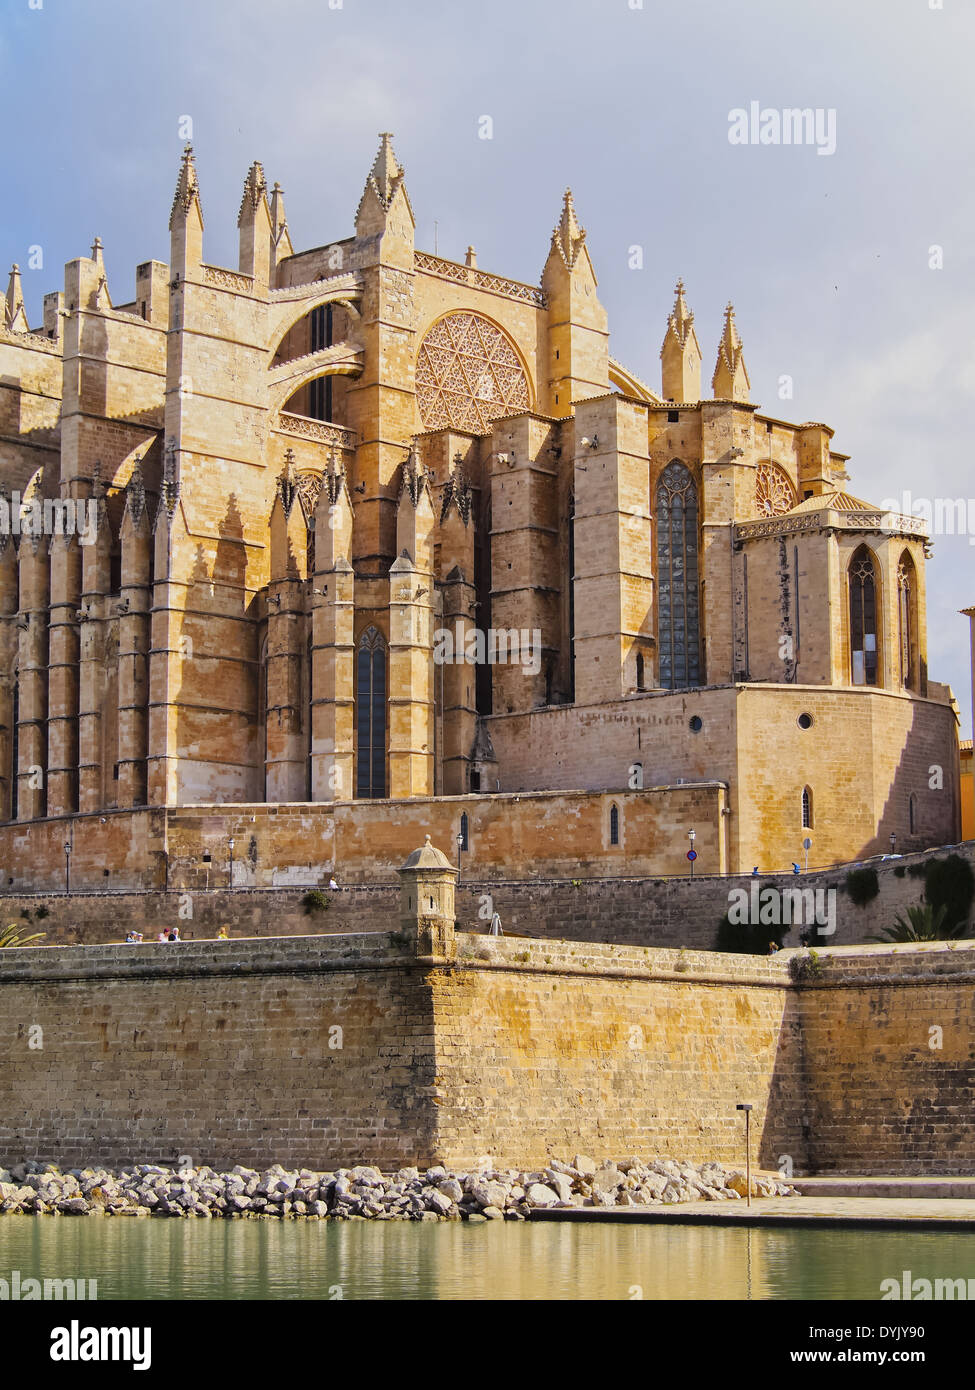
(154, 1259)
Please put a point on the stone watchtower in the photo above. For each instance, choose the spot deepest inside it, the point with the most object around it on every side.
(426, 907)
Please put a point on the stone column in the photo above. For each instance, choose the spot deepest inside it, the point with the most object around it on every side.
(32, 682)
(62, 719)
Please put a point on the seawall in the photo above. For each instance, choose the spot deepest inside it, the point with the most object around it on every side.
(331, 1050)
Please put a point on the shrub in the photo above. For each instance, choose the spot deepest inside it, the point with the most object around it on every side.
(862, 885)
(900, 871)
(922, 923)
(749, 938)
(10, 936)
(950, 884)
(316, 901)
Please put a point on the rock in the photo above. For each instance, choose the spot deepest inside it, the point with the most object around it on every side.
(439, 1203)
(560, 1184)
(435, 1175)
(607, 1178)
(73, 1206)
(489, 1194)
(429, 1216)
(480, 1216)
(541, 1195)
(584, 1165)
(451, 1188)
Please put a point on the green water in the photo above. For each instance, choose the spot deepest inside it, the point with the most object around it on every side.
(153, 1259)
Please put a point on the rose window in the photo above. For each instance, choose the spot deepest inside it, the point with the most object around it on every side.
(468, 374)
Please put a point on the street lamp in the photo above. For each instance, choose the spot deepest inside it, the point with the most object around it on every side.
(67, 866)
(460, 846)
(893, 841)
(692, 852)
(748, 1149)
(231, 843)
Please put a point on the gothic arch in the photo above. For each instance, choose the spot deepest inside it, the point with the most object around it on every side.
(371, 714)
(678, 582)
(863, 587)
(907, 621)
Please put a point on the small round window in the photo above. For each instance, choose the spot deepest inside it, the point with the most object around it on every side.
(695, 724)
(805, 721)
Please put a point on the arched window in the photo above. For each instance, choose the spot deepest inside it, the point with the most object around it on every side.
(370, 779)
(614, 825)
(907, 619)
(807, 819)
(912, 813)
(863, 618)
(464, 828)
(678, 611)
(640, 672)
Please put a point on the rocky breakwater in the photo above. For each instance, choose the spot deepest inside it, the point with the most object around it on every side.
(363, 1193)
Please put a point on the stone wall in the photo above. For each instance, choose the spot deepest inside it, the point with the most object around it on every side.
(674, 911)
(290, 845)
(229, 1052)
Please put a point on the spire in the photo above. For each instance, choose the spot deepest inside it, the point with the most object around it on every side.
(568, 237)
(15, 316)
(255, 188)
(386, 169)
(385, 179)
(187, 189)
(681, 353)
(730, 381)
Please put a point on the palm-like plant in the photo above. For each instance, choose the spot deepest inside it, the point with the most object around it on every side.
(10, 935)
(922, 923)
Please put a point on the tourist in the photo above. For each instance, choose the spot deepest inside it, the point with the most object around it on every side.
(223, 934)
(332, 883)
(174, 934)
(162, 936)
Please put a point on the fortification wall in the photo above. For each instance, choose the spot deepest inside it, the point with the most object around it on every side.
(517, 1048)
(628, 911)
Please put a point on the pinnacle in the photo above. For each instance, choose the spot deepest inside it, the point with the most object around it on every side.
(386, 169)
(187, 187)
(568, 236)
(255, 188)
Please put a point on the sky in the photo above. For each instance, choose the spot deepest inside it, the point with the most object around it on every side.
(851, 271)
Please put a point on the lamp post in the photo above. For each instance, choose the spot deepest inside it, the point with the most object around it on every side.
(231, 843)
(692, 852)
(460, 846)
(67, 866)
(748, 1150)
(893, 841)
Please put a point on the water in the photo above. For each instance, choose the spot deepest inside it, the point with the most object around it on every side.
(155, 1259)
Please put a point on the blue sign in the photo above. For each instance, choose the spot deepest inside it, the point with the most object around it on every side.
(692, 855)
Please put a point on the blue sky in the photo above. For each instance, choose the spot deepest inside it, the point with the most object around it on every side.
(825, 257)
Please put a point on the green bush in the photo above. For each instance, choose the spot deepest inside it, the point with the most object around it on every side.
(862, 885)
(917, 870)
(749, 938)
(316, 901)
(900, 871)
(950, 883)
(922, 923)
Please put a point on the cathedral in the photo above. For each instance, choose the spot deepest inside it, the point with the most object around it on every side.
(359, 524)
